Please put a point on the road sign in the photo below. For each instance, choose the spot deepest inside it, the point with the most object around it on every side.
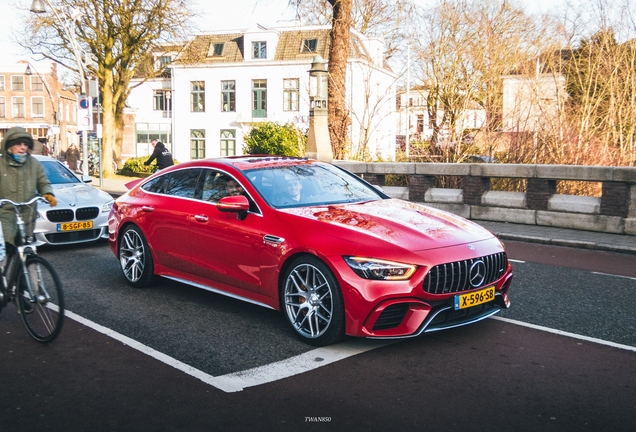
(84, 114)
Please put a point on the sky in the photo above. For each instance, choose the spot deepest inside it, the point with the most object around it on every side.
(214, 15)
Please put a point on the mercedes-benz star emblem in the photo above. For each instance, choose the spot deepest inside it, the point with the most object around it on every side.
(477, 273)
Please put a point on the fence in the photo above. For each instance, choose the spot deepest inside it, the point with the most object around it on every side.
(613, 212)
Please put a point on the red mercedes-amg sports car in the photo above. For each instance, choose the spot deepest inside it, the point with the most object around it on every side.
(335, 254)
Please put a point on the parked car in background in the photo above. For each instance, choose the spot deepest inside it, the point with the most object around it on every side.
(81, 213)
(336, 255)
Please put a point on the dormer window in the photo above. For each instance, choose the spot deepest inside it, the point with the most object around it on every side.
(216, 50)
(309, 46)
(259, 50)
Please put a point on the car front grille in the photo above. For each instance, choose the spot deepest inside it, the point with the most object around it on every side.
(73, 236)
(391, 317)
(455, 276)
(59, 215)
(86, 213)
(81, 214)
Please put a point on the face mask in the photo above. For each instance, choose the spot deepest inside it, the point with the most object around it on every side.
(20, 158)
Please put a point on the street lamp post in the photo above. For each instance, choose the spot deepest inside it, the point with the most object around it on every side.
(38, 7)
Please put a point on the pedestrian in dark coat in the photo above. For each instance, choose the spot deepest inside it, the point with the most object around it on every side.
(162, 154)
(72, 156)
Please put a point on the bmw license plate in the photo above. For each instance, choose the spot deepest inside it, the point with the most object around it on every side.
(474, 298)
(74, 226)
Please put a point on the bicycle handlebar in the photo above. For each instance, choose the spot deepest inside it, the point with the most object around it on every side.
(22, 204)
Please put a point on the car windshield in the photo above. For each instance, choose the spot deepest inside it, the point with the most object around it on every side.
(58, 173)
(309, 185)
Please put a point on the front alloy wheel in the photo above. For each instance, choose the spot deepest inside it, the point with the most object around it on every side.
(135, 257)
(313, 302)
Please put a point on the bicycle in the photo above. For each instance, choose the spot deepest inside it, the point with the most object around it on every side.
(36, 290)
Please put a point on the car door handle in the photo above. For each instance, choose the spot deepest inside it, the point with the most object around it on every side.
(148, 208)
(201, 218)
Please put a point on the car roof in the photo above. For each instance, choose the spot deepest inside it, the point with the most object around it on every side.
(244, 163)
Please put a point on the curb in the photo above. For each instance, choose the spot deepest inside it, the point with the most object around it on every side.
(603, 247)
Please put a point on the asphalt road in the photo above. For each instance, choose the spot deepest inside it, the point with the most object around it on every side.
(493, 375)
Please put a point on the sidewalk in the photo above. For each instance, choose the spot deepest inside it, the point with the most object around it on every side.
(506, 231)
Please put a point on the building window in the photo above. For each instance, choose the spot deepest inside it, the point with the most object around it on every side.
(290, 94)
(37, 107)
(228, 96)
(161, 101)
(228, 142)
(17, 83)
(1, 82)
(164, 61)
(259, 50)
(309, 46)
(3, 110)
(420, 123)
(259, 98)
(197, 96)
(147, 132)
(216, 50)
(36, 83)
(197, 144)
(18, 107)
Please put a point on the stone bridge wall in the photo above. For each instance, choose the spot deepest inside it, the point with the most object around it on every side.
(613, 212)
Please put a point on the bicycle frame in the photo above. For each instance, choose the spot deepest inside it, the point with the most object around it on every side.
(24, 248)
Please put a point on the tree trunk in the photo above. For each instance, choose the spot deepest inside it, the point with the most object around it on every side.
(338, 113)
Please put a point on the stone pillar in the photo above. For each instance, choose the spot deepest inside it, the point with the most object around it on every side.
(539, 192)
(418, 185)
(318, 141)
(375, 179)
(615, 199)
(474, 188)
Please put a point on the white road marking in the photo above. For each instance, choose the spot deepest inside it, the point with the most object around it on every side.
(238, 381)
(305, 362)
(567, 334)
(618, 276)
(517, 261)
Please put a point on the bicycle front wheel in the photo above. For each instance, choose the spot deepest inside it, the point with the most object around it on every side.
(42, 309)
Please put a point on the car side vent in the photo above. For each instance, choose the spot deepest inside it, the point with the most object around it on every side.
(59, 215)
(465, 275)
(86, 213)
(391, 317)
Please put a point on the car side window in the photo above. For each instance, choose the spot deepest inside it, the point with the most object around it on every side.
(214, 186)
(181, 183)
(154, 185)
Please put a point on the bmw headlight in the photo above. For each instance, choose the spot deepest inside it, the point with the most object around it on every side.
(371, 268)
(107, 206)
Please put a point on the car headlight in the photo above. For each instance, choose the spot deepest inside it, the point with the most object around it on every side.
(377, 269)
(107, 206)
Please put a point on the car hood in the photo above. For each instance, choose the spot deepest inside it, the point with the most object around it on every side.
(404, 224)
(79, 194)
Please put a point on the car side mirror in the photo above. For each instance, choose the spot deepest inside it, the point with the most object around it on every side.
(87, 178)
(234, 204)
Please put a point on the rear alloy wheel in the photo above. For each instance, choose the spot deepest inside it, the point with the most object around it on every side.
(313, 302)
(135, 258)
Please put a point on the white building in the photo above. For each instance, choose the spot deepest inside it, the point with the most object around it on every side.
(416, 118)
(225, 82)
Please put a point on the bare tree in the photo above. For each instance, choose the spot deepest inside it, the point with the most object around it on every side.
(117, 36)
(389, 19)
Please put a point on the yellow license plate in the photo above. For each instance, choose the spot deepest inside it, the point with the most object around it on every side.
(74, 226)
(474, 298)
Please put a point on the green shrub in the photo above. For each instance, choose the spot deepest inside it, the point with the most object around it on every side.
(136, 166)
(275, 139)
